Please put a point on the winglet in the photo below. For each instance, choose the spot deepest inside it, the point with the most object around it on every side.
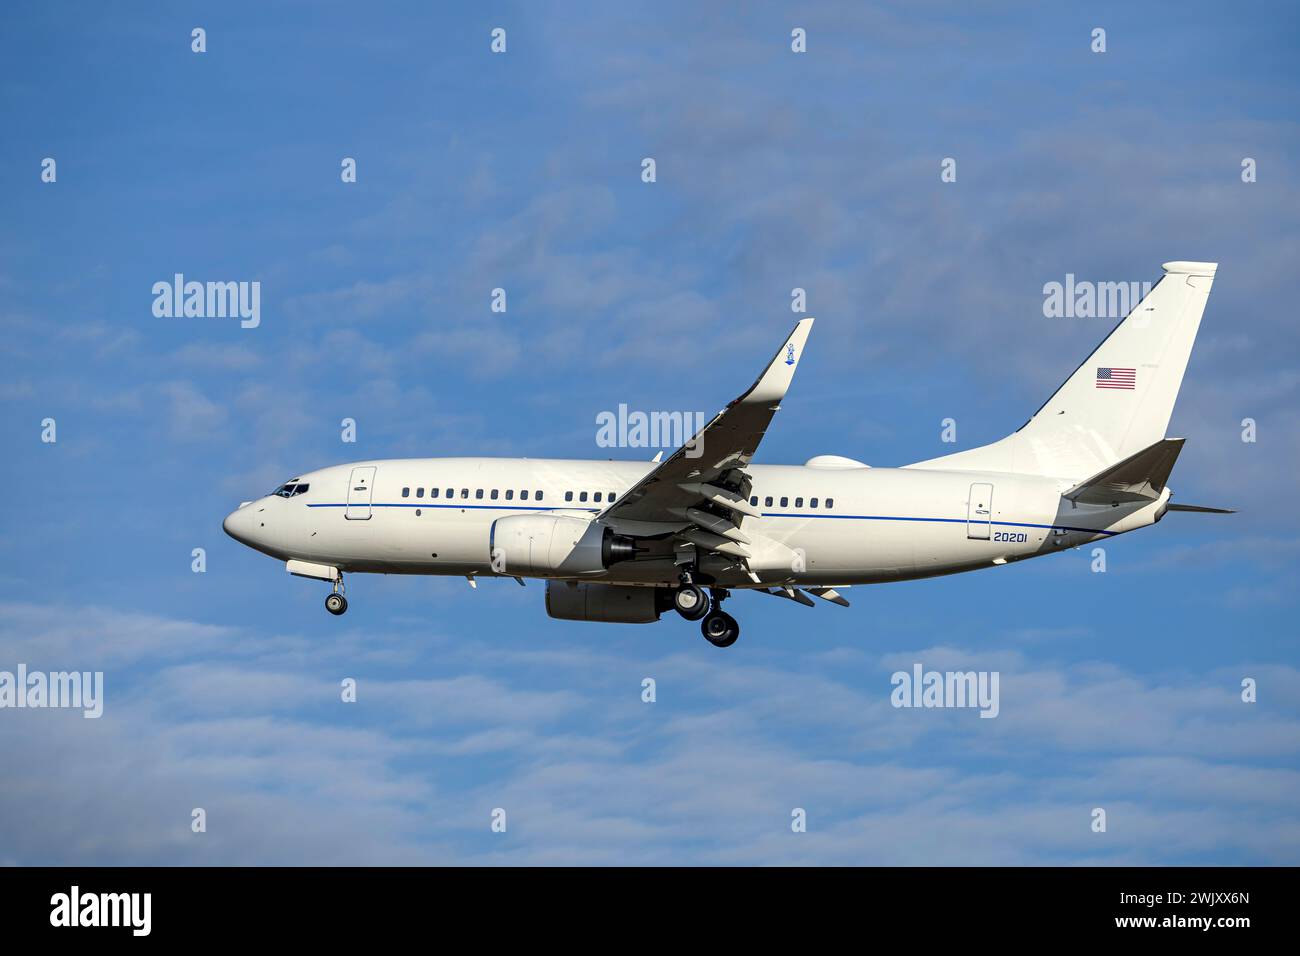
(772, 384)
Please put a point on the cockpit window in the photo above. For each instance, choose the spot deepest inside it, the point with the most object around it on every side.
(291, 489)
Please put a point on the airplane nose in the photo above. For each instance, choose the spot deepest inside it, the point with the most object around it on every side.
(248, 524)
(236, 525)
(244, 525)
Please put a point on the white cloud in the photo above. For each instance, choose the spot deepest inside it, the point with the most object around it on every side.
(251, 728)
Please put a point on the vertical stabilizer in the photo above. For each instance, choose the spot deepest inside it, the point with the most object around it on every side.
(1117, 402)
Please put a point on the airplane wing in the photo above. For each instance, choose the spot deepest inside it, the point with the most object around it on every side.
(704, 482)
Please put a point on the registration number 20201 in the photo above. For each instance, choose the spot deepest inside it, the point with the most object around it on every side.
(1010, 536)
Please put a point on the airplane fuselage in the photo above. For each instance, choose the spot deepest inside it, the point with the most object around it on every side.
(846, 525)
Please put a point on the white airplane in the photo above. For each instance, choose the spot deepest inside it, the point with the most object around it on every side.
(624, 541)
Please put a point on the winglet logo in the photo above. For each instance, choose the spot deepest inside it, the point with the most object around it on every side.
(103, 909)
(789, 353)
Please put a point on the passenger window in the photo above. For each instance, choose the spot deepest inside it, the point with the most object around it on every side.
(568, 496)
(451, 492)
(610, 496)
(464, 492)
(406, 492)
(754, 501)
(596, 497)
(538, 496)
(812, 503)
(419, 492)
(798, 502)
(494, 494)
(767, 502)
(785, 502)
(433, 492)
(830, 502)
(582, 496)
(478, 494)
(523, 496)
(510, 494)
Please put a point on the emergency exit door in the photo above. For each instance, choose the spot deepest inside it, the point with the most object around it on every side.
(360, 489)
(979, 511)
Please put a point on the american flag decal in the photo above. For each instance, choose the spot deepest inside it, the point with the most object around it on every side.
(1117, 378)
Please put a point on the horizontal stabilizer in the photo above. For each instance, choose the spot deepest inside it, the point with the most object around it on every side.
(1202, 509)
(1140, 477)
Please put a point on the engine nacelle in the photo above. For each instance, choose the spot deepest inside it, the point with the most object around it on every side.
(610, 603)
(549, 544)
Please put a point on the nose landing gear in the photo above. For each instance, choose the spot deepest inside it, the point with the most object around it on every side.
(336, 603)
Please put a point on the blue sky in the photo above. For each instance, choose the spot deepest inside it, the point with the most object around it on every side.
(522, 171)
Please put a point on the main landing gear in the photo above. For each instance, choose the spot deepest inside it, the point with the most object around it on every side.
(690, 601)
(693, 603)
(336, 603)
(720, 628)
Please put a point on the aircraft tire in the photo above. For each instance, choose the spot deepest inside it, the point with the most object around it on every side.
(720, 629)
(691, 602)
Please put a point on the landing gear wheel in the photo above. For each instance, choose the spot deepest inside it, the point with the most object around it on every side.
(336, 604)
(720, 629)
(691, 602)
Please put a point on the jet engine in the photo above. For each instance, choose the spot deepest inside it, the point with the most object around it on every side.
(550, 545)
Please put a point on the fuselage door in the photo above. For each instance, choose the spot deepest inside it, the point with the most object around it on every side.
(979, 511)
(360, 488)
